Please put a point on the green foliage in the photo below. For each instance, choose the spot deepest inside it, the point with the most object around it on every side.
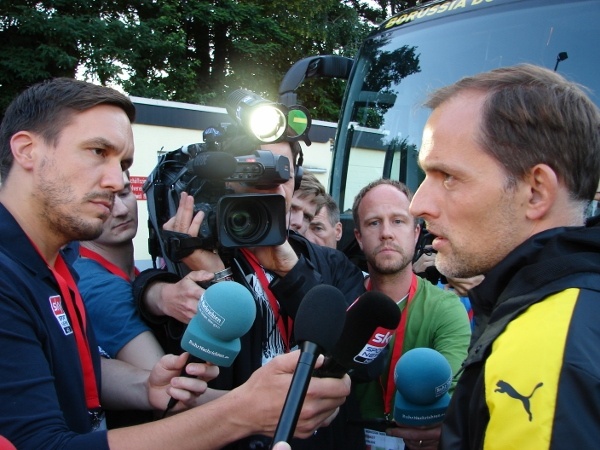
(193, 51)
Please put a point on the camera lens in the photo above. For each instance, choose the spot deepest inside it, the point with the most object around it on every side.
(251, 220)
(246, 221)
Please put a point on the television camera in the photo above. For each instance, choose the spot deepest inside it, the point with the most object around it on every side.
(229, 153)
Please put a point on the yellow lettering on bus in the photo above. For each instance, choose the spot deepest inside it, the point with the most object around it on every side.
(460, 4)
(432, 10)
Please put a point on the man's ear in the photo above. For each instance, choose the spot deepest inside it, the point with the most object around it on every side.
(22, 145)
(338, 231)
(543, 185)
(417, 233)
(358, 238)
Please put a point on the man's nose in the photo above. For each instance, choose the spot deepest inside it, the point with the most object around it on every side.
(419, 203)
(119, 208)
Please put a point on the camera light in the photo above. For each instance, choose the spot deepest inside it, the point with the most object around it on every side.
(267, 123)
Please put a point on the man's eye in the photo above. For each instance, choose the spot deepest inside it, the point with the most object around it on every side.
(449, 179)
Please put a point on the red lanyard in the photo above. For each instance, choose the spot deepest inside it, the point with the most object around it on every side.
(285, 329)
(72, 298)
(112, 268)
(390, 388)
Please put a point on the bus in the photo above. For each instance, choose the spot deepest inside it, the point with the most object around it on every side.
(427, 47)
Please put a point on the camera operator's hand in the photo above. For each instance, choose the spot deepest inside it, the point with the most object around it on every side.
(426, 260)
(178, 300)
(279, 259)
(185, 222)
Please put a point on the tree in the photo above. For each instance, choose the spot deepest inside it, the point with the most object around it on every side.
(222, 45)
(193, 51)
(40, 40)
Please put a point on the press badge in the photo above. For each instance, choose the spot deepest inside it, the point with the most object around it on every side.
(378, 440)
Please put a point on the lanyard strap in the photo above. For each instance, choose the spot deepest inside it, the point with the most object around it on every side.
(390, 387)
(112, 268)
(72, 298)
(285, 327)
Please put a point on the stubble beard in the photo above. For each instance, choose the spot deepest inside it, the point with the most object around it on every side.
(61, 211)
(389, 266)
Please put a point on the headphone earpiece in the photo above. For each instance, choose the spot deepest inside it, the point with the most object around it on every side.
(298, 177)
(299, 170)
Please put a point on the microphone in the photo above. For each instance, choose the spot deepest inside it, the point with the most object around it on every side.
(423, 377)
(370, 323)
(213, 165)
(317, 327)
(226, 312)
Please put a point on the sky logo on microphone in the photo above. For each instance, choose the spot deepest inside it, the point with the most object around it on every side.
(378, 341)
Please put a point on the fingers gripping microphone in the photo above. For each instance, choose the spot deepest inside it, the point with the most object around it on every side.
(317, 327)
(370, 324)
(226, 312)
(423, 377)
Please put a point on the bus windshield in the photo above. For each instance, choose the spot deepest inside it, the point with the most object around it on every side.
(382, 119)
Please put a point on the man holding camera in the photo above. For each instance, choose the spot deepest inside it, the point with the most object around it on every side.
(278, 276)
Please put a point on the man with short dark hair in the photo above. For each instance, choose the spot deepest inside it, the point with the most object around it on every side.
(512, 160)
(325, 228)
(64, 145)
(305, 202)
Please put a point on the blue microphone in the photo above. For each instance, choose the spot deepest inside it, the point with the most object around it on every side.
(423, 377)
(226, 311)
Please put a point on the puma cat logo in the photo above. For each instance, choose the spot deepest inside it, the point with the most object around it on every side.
(506, 388)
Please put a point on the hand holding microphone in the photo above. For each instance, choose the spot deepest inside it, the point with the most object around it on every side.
(422, 377)
(226, 312)
(317, 327)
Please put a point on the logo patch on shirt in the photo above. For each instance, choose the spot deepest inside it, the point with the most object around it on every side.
(59, 313)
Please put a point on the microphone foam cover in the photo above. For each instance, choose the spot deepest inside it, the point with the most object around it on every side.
(320, 317)
(423, 377)
(226, 312)
(370, 324)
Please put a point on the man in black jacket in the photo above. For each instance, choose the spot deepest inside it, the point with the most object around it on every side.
(512, 160)
(278, 277)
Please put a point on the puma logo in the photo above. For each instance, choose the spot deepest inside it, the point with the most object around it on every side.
(506, 388)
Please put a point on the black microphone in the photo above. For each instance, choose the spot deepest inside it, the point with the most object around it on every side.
(370, 323)
(213, 165)
(317, 327)
(226, 312)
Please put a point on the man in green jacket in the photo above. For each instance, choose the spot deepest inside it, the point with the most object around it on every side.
(431, 317)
